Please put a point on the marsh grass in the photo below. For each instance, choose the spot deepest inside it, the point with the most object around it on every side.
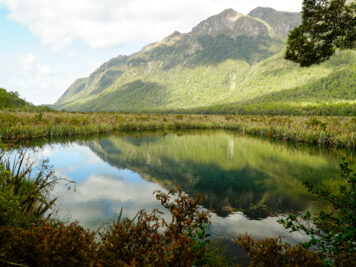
(323, 131)
(25, 190)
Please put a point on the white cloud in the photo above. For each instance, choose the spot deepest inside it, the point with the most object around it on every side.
(121, 25)
(30, 63)
(108, 23)
(36, 82)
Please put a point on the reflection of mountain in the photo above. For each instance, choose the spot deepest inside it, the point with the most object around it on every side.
(232, 173)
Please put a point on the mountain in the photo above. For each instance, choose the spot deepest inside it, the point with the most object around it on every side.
(281, 22)
(226, 62)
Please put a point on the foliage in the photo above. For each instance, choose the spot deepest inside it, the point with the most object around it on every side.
(142, 242)
(326, 26)
(12, 101)
(273, 86)
(332, 242)
(148, 239)
(338, 131)
(48, 245)
(333, 233)
(181, 240)
(220, 72)
(24, 192)
(272, 252)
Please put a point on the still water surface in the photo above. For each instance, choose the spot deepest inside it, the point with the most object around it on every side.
(249, 183)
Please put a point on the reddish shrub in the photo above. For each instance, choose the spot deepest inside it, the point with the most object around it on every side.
(272, 252)
(46, 245)
(151, 240)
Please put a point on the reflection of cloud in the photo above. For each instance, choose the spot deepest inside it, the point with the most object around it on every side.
(51, 152)
(103, 190)
(237, 223)
(100, 197)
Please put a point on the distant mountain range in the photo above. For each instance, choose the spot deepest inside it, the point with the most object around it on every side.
(229, 63)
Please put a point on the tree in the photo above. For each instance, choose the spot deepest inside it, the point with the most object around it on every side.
(326, 26)
(332, 233)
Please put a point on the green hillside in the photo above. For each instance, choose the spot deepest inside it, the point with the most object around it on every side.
(229, 63)
(276, 86)
(11, 101)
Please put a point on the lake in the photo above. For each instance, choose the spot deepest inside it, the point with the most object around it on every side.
(249, 183)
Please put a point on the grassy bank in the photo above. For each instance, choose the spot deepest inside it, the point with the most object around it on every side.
(326, 131)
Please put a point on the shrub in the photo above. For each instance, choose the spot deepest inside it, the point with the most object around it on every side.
(333, 234)
(181, 242)
(24, 191)
(272, 252)
(48, 245)
(148, 239)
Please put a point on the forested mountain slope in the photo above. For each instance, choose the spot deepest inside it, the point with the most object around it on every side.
(226, 63)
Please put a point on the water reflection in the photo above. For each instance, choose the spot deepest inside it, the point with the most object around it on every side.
(233, 173)
(248, 182)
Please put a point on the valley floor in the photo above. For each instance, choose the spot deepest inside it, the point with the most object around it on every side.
(325, 131)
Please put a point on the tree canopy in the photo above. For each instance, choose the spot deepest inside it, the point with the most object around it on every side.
(327, 25)
(10, 99)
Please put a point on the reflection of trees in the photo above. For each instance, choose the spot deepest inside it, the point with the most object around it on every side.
(239, 174)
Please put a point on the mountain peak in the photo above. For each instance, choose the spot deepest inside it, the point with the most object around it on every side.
(171, 38)
(282, 22)
(229, 15)
(226, 36)
(233, 24)
(262, 9)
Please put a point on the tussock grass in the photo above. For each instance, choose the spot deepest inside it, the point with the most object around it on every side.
(324, 131)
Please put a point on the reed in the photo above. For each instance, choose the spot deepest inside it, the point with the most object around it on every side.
(323, 131)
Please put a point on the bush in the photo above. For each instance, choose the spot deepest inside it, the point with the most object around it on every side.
(272, 252)
(147, 239)
(27, 239)
(48, 245)
(332, 233)
(142, 242)
(24, 191)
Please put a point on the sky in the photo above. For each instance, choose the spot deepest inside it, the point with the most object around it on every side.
(45, 45)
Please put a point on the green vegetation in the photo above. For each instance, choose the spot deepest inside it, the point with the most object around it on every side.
(27, 238)
(327, 25)
(149, 238)
(24, 193)
(326, 131)
(325, 89)
(220, 68)
(273, 86)
(333, 234)
(11, 101)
